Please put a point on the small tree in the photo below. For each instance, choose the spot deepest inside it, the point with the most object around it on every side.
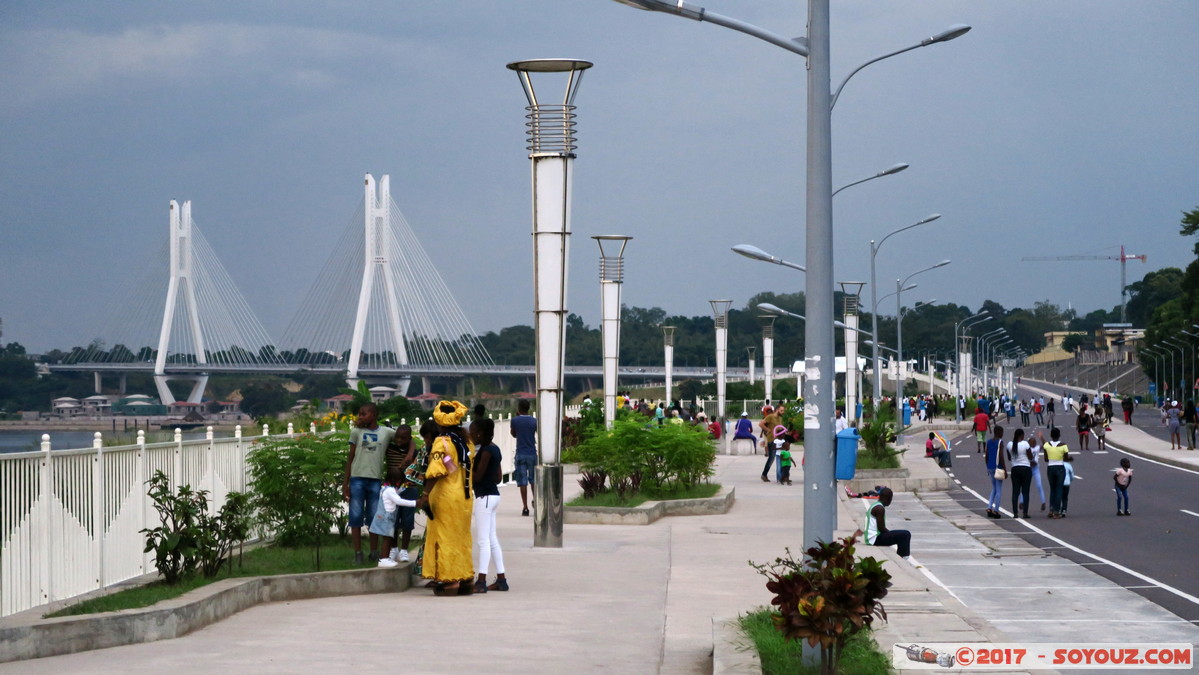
(828, 597)
(296, 486)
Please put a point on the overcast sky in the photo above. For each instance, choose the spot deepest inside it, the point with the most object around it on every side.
(1053, 128)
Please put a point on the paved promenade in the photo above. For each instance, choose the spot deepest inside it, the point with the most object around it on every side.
(642, 599)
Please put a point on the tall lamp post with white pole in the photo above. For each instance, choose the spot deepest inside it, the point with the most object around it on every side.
(753, 358)
(878, 383)
(551, 130)
(768, 353)
(958, 383)
(899, 379)
(720, 311)
(851, 294)
(899, 338)
(668, 348)
(820, 499)
(611, 248)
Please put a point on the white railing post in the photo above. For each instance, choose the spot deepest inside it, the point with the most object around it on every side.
(177, 479)
(312, 428)
(99, 518)
(46, 526)
(291, 429)
(141, 482)
(266, 430)
(241, 454)
(211, 472)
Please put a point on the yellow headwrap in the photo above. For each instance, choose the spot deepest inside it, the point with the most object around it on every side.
(449, 413)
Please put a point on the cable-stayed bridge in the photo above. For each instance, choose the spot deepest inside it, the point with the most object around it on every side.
(405, 323)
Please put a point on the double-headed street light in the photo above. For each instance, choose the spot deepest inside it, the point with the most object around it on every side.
(820, 499)
(960, 358)
(899, 379)
(878, 384)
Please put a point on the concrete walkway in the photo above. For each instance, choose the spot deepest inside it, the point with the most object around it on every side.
(642, 599)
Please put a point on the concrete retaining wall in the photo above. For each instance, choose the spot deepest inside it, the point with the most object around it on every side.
(650, 511)
(192, 611)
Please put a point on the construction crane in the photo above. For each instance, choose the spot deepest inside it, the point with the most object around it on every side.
(1123, 258)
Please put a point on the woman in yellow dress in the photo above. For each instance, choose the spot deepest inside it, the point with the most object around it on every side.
(447, 491)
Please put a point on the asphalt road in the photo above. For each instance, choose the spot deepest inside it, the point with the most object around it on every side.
(1144, 416)
(1152, 552)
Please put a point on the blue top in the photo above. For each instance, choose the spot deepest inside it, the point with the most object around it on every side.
(992, 453)
(744, 429)
(525, 428)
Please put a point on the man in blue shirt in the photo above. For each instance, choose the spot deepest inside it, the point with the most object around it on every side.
(524, 430)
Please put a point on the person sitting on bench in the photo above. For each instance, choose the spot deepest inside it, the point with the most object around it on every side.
(877, 533)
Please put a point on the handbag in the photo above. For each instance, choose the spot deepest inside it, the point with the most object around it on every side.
(1000, 474)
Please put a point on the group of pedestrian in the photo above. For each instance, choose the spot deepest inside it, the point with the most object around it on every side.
(453, 476)
(1177, 417)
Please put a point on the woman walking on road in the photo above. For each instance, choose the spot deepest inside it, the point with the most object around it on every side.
(1191, 418)
(1019, 456)
(995, 464)
(1174, 425)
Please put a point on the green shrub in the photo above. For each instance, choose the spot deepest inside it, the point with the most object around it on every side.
(827, 597)
(636, 453)
(296, 486)
(188, 538)
(878, 431)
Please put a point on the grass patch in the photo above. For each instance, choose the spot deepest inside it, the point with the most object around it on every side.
(780, 656)
(261, 561)
(611, 498)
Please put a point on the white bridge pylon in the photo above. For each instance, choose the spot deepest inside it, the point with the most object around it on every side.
(376, 261)
(182, 281)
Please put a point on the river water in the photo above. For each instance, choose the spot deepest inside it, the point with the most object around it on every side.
(23, 440)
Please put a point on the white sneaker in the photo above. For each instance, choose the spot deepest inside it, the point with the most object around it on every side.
(395, 554)
(388, 562)
(404, 556)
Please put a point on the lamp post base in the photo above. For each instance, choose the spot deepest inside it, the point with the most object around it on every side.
(547, 512)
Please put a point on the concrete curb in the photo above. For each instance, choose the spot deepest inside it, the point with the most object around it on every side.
(650, 511)
(733, 653)
(189, 612)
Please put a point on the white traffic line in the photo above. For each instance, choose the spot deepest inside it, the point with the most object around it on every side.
(1189, 513)
(1143, 458)
(961, 456)
(1099, 559)
(1097, 452)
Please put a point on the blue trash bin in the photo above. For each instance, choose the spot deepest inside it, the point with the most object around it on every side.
(907, 414)
(847, 453)
(857, 414)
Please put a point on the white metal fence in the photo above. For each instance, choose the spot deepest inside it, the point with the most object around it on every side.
(71, 520)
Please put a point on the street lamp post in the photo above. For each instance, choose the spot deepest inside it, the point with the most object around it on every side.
(668, 347)
(958, 384)
(820, 500)
(611, 248)
(720, 310)
(899, 386)
(980, 346)
(899, 284)
(551, 132)
(752, 362)
(1194, 378)
(851, 296)
(878, 383)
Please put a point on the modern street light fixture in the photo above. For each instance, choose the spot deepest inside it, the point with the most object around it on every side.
(885, 172)
(878, 383)
(720, 311)
(1194, 376)
(611, 248)
(851, 293)
(668, 347)
(755, 253)
(820, 499)
(551, 135)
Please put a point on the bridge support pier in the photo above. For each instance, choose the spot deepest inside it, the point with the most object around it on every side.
(199, 384)
(98, 382)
